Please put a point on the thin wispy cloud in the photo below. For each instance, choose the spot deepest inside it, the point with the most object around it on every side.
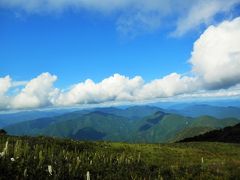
(134, 17)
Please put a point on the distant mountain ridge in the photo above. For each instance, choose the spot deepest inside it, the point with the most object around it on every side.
(7, 119)
(132, 112)
(135, 124)
(206, 110)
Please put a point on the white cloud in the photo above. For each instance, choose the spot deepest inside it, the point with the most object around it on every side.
(168, 86)
(135, 16)
(119, 88)
(19, 83)
(222, 93)
(216, 55)
(37, 93)
(116, 87)
(5, 84)
(202, 12)
(40, 92)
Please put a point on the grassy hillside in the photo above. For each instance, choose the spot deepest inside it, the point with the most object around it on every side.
(228, 134)
(190, 132)
(48, 158)
(203, 125)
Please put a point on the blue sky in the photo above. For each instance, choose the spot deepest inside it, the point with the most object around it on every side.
(155, 47)
(76, 47)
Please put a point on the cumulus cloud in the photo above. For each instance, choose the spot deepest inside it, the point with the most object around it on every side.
(116, 87)
(121, 88)
(135, 16)
(170, 85)
(216, 55)
(40, 91)
(37, 93)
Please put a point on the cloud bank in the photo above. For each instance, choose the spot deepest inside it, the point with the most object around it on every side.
(215, 61)
(216, 55)
(135, 16)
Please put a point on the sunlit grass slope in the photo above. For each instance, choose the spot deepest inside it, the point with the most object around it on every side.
(48, 158)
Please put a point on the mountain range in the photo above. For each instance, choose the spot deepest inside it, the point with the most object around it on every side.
(146, 124)
(196, 110)
(9, 118)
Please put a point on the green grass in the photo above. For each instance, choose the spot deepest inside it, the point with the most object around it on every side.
(73, 159)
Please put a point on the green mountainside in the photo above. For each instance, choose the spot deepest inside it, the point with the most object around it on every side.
(228, 134)
(108, 124)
